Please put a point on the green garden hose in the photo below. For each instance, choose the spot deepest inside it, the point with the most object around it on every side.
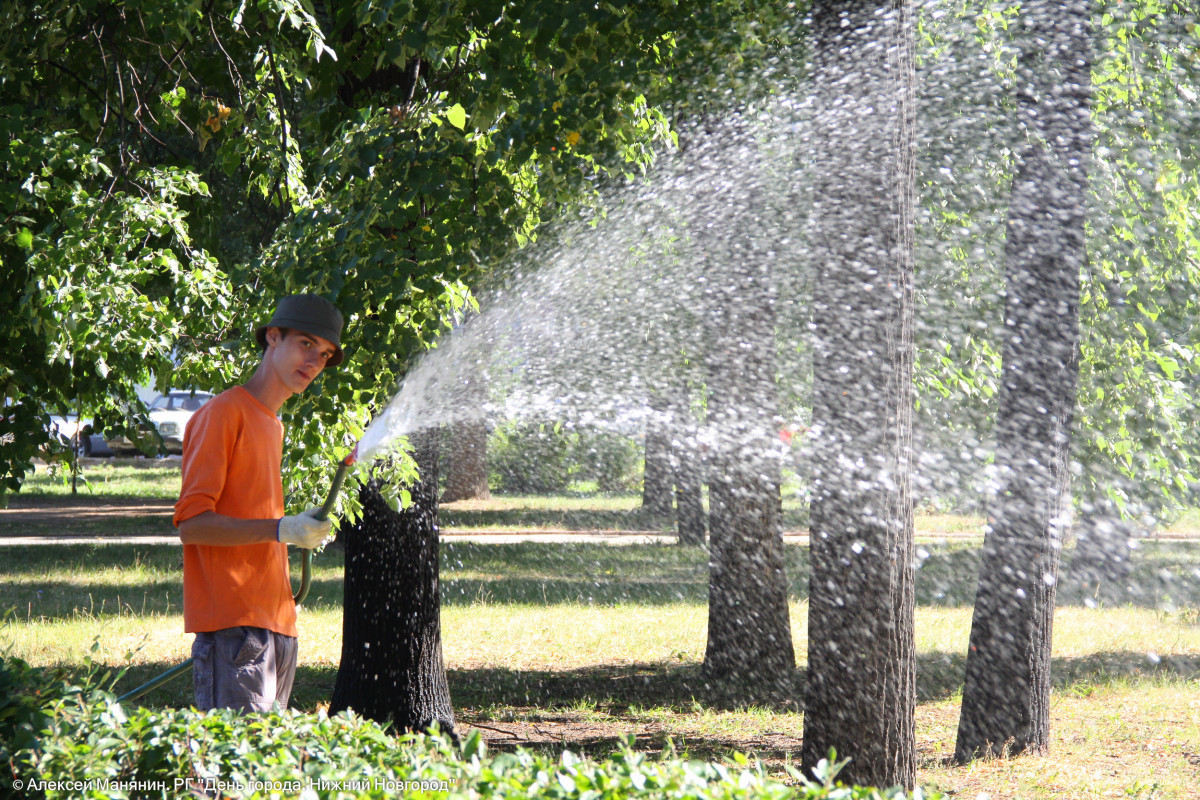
(305, 582)
(306, 559)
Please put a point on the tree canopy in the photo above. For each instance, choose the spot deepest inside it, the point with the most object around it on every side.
(1137, 361)
(173, 168)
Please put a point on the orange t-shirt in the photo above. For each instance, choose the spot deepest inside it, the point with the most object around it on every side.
(232, 453)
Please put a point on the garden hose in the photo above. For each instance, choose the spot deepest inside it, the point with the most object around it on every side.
(306, 558)
(305, 582)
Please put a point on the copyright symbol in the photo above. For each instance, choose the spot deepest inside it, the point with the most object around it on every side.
(18, 784)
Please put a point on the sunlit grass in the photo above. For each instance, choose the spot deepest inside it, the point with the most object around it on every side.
(1128, 739)
(1188, 521)
(149, 478)
(612, 639)
(586, 501)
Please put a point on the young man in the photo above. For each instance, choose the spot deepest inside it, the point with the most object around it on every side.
(237, 592)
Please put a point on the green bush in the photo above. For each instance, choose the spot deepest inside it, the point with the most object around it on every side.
(545, 457)
(27, 697)
(609, 459)
(97, 748)
(529, 458)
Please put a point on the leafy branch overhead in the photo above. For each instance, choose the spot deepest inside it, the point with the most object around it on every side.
(175, 167)
(172, 167)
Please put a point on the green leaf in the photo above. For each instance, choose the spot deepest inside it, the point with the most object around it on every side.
(25, 239)
(474, 744)
(456, 115)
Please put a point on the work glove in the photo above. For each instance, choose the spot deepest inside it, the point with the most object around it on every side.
(303, 530)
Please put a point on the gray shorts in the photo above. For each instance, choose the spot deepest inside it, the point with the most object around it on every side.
(249, 669)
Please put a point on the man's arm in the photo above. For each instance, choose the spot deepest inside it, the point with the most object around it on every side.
(212, 528)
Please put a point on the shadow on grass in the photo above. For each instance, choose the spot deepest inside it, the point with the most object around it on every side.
(106, 523)
(537, 573)
(62, 581)
(571, 519)
(679, 688)
(583, 519)
(682, 688)
(31, 502)
(55, 581)
(1154, 575)
(940, 674)
(591, 709)
(94, 511)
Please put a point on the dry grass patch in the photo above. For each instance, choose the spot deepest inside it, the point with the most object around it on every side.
(1137, 740)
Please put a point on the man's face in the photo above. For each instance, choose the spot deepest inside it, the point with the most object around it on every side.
(298, 358)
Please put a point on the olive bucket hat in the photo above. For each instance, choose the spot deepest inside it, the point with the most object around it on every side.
(311, 314)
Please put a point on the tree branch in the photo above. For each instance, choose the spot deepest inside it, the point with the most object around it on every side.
(282, 175)
(63, 68)
(235, 75)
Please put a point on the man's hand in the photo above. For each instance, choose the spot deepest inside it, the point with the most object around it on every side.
(304, 530)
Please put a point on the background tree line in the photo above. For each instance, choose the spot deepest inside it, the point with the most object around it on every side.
(172, 168)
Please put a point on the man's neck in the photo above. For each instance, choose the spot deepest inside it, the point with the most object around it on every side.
(271, 393)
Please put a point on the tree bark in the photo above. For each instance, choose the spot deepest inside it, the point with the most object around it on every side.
(689, 506)
(749, 655)
(392, 668)
(1006, 695)
(688, 469)
(467, 472)
(686, 465)
(657, 479)
(860, 695)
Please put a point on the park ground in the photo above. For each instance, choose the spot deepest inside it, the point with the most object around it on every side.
(555, 639)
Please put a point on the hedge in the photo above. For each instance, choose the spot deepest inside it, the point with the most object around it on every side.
(91, 746)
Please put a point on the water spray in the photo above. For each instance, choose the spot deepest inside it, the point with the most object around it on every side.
(305, 579)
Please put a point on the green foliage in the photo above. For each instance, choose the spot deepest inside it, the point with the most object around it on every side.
(101, 275)
(169, 752)
(176, 167)
(530, 457)
(1138, 407)
(28, 695)
(1138, 365)
(608, 458)
(546, 456)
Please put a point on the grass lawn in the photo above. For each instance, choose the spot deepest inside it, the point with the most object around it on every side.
(126, 496)
(575, 645)
(113, 480)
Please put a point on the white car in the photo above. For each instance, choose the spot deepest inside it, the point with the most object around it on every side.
(169, 413)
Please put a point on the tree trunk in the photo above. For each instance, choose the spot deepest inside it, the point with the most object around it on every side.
(689, 507)
(687, 467)
(860, 697)
(467, 475)
(689, 500)
(392, 668)
(749, 655)
(657, 478)
(1006, 695)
